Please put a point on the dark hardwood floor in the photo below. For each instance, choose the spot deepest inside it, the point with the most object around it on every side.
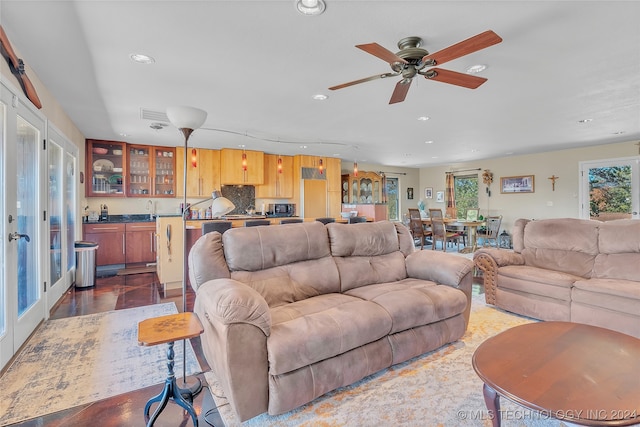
(117, 293)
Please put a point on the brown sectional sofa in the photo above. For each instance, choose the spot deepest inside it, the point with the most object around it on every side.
(294, 311)
(568, 269)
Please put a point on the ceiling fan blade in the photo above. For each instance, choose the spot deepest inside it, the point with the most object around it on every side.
(376, 50)
(454, 78)
(366, 79)
(400, 92)
(17, 67)
(465, 47)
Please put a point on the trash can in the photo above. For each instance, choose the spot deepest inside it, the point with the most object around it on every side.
(85, 264)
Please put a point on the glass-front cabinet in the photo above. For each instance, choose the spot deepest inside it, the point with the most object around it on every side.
(151, 171)
(365, 188)
(118, 169)
(105, 168)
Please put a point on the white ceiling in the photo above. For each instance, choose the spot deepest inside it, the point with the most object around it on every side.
(255, 65)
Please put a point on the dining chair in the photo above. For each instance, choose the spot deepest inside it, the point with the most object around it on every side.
(439, 232)
(492, 231)
(326, 220)
(435, 213)
(291, 220)
(256, 222)
(219, 226)
(356, 219)
(416, 227)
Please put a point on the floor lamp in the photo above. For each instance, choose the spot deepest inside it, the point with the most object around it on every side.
(186, 119)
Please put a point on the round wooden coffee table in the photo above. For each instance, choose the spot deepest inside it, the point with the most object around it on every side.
(569, 371)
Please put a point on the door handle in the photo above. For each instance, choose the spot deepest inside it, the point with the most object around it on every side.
(17, 236)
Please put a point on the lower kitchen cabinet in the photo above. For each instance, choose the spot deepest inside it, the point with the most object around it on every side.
(110, 239)
(140, 242)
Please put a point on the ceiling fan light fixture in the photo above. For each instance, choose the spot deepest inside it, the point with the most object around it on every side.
(310, 7)
(475, 69)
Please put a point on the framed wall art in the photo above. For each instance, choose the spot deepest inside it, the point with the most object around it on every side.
(517, 184)
(410, 193)
(428, 193)
(440, 197)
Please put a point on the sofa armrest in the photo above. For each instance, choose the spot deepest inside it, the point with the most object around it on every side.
(489, 260)
(237, 322)
(228, 301)
(439, 267)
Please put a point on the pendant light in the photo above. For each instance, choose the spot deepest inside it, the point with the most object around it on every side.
(279, 164)
(320, 167)
(194, 157)
(355, 168)
(244, 161)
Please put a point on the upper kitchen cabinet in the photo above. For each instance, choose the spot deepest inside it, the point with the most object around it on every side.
(105, 168)
(241, 167)
(334, 174)
(278, 178)
(151, 171)
(203, 172)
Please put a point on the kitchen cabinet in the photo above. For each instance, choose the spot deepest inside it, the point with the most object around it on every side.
(105, 164)
(151, 171)
(232, 171)
(367, 187)
(140, 242)
(203, 172)
(169, 231)
(110, 239)
(278, 178)
(334, 174)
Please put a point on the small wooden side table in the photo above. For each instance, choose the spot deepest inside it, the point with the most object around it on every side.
(166, 330)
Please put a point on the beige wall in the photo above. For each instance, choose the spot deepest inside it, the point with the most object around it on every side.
(544, 202)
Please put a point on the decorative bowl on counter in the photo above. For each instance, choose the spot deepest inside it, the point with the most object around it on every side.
(100, 150)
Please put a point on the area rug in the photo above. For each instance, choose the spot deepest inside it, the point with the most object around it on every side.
(439, 388)
(77, 360)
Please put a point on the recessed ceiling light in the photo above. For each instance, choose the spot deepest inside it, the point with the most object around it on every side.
(124, 134)
(241, 145)
(141, 59)
(303, 146)
(434, 157)
(475, 69)
(319, 97)
(428, 142)
(423, 118)
(620, 132)
(310, 7)
(585, 120)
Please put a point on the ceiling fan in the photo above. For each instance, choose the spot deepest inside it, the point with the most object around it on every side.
(412, 60)
(17, 67)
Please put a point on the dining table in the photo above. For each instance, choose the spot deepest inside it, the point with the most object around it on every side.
(472, 226)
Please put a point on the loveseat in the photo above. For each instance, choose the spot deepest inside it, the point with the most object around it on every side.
(291, 312)
(568, 269)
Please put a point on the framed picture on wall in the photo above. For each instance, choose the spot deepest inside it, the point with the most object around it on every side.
(440, 197)
(410, 193)
(428, 193)
(517, 184)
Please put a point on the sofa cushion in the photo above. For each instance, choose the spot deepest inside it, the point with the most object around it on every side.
(259, 248)
(537, 281)
(206, 260)
(363, 239)
(617, 295)
(318, 328)
(619, 237)
(362, 271)
(293, 282)
(412, 302)
(567, 244)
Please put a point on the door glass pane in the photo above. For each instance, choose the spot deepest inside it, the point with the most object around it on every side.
(27, 208)
(610, 192)
(392, 198)
(55, 211)
(3, 301)
(70, 198)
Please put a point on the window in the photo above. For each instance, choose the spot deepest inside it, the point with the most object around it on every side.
(466, 193)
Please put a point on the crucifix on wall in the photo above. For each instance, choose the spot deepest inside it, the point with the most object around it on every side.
(553, 182)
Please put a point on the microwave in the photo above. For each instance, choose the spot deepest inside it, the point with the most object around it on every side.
(282, 209)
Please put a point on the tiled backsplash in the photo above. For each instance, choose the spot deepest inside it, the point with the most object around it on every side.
(243, 197)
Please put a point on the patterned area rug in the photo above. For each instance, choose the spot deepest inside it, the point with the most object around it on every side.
(439, 388)
(77, 360)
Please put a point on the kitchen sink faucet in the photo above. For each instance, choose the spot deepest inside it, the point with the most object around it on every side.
(150, 208)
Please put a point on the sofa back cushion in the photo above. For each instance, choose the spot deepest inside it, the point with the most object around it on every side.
(206, 260)
(619, 244)
(566, 244)
(283, 263)
(367, 253)
(259, 248)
